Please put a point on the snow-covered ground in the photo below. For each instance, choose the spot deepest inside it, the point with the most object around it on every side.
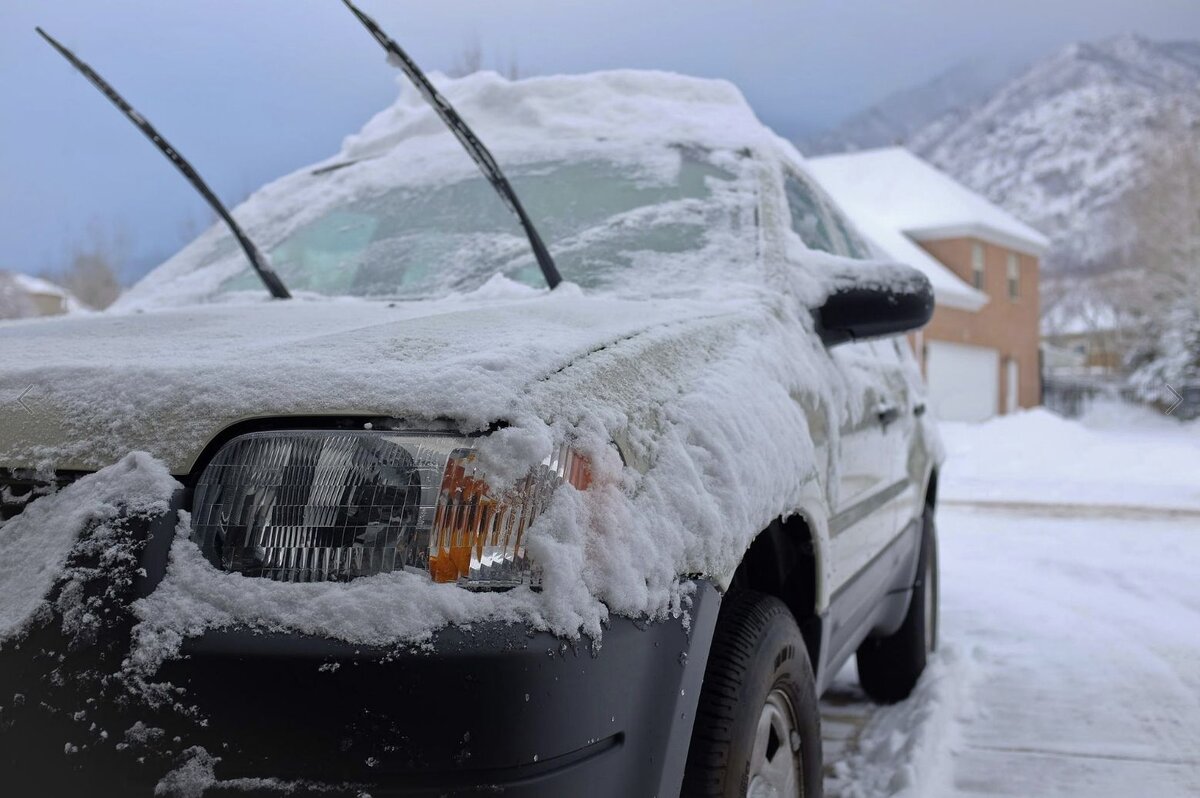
(1117, 456)
(1069, 662)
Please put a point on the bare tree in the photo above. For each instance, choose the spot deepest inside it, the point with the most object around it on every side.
(91, 273)
(511, 68)
(469, 61)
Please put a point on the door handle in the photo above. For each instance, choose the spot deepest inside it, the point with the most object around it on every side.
(887, 413)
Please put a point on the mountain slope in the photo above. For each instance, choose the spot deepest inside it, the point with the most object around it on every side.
(1061, 144)
(897, 117)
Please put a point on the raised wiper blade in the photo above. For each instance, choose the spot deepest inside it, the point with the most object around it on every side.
(257, 260)
(471, 143)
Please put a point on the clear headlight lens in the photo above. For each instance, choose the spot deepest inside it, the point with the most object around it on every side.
(330, 506)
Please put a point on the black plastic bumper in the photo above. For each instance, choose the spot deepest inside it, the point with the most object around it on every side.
(490, 710)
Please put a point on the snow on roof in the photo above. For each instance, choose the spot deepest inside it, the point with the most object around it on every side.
(642, 105)
(925, 203)
(897, 199)
(36, 285)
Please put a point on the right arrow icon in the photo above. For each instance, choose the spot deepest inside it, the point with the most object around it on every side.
(1178, 400)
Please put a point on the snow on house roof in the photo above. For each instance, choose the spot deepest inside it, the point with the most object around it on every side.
(921, 200)
(897, 199)
(36, 285)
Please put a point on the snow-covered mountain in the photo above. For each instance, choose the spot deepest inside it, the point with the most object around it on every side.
(1061, 143)
(897, 117)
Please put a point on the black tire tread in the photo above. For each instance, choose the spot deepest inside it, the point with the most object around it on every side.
(744, 617)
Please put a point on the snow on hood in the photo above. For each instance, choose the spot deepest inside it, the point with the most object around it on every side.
(94, 388)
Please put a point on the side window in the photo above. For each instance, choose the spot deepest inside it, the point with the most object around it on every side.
(808, 219)
(855, 246)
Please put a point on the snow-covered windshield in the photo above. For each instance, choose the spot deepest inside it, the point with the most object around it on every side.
(642, 224)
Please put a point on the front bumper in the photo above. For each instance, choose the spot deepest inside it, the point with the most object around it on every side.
(486, 710)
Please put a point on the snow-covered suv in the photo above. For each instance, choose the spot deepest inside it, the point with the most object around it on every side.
(430, 528)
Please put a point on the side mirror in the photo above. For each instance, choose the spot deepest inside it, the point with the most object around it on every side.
(874, 302)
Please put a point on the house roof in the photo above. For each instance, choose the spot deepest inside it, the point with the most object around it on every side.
(36, 285)
(896, 199)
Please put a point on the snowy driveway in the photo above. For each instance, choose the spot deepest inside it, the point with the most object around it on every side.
(1070, 661)
(1070, 667)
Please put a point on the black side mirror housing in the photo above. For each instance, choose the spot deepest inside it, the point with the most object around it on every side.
(874, 302)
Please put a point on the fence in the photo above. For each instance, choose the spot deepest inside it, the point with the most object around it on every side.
(1072, 396)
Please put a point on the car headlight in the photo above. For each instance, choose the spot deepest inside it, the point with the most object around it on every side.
(330, 506)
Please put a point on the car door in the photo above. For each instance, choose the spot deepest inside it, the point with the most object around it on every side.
(862, 511)
(863, 508)
(897, 411)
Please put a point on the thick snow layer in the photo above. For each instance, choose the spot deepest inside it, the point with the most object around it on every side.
(166, 382)
(34, 545)
(1116, 455)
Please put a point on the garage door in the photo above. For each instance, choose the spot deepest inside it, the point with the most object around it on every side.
(964, 381)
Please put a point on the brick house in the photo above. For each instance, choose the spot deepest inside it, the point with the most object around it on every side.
(980, 352)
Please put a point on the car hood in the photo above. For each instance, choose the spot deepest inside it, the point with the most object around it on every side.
(77, 393)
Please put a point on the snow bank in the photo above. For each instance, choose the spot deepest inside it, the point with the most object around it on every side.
(906, 750)
(1114, 456)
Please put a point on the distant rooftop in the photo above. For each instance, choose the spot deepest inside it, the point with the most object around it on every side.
(36, 285)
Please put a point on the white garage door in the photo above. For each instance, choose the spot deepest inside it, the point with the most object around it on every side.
(964, 381)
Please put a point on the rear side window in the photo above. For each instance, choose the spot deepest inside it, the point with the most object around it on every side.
(808, 218)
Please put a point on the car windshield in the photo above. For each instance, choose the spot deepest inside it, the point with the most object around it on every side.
(639, 224)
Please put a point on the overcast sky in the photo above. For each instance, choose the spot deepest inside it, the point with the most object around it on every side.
(252, 89)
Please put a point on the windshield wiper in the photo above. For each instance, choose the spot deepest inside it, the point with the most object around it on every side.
(466, 137)
(257, 259)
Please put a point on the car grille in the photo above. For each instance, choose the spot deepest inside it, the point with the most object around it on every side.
(18, 487)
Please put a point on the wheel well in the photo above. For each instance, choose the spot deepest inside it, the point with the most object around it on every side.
(782, 562)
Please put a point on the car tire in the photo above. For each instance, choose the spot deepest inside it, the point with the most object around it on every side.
(888, 667)
(758, 725)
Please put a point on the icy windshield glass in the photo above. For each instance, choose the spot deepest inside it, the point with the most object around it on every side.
(608, 222)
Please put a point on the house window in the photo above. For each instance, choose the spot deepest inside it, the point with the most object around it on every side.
(977, 265)
(1014, 277)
